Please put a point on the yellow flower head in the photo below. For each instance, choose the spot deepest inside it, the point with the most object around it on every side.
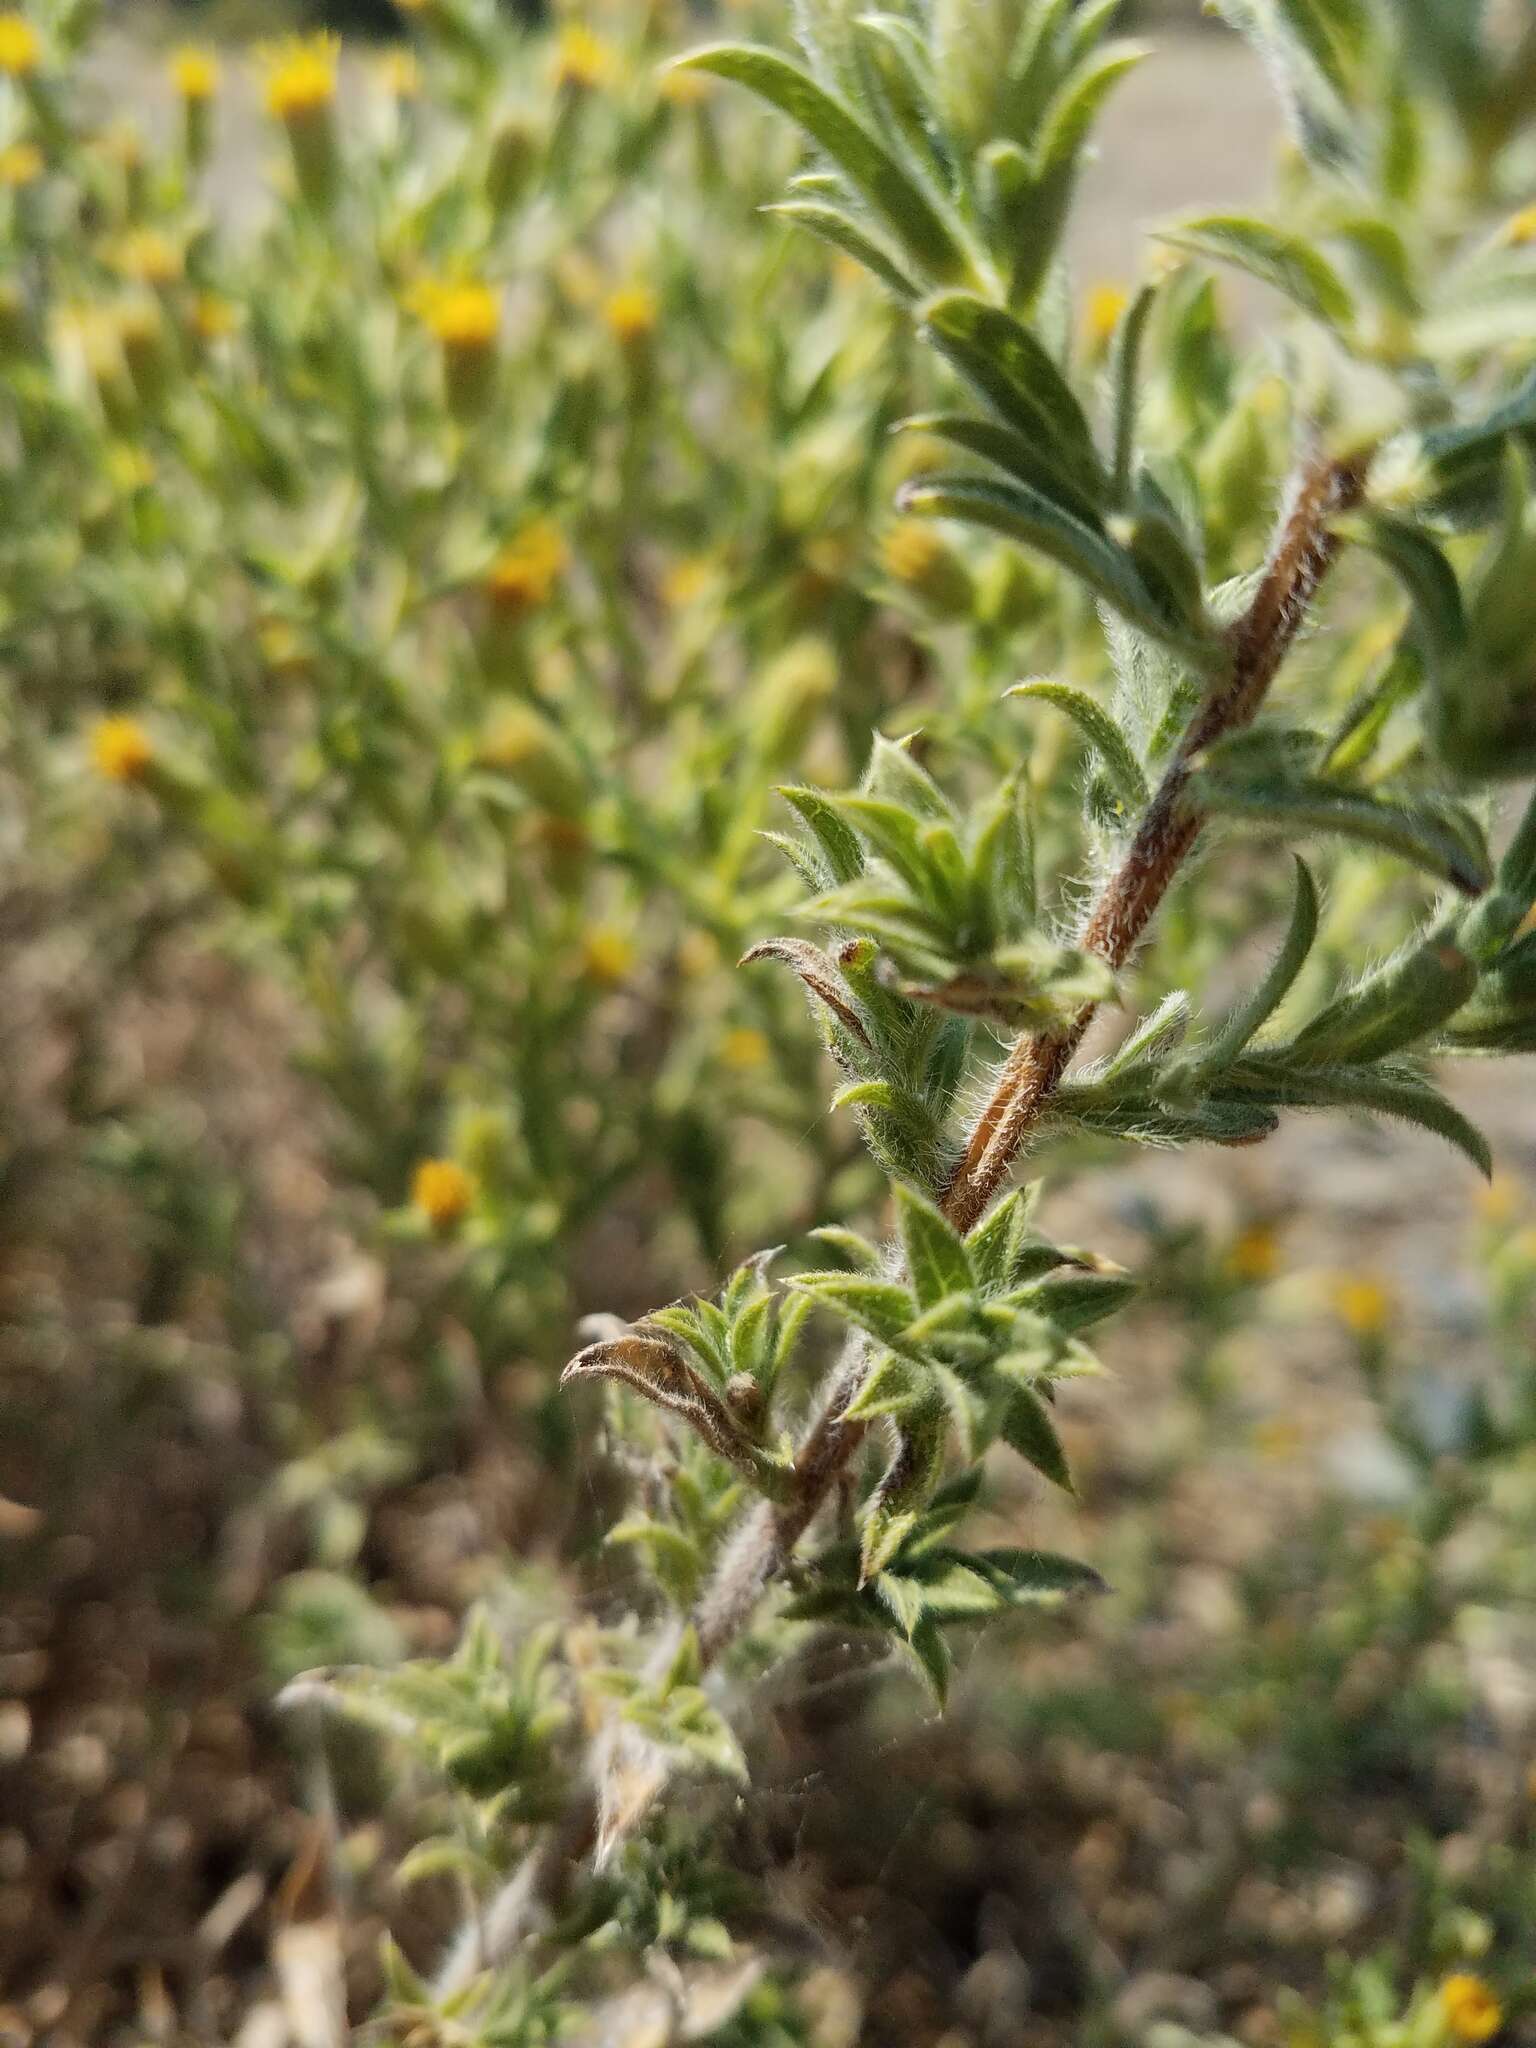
(631, 313)
(1520, 229)
(21, 50)
(21, 163)
(301, 76)
(1254, 1254)
(1101, 316)
(466, 318)
(1472, 2012)
(582, 59)
(121, 749)
(911, 551)
(1362, 1303)
(213, 318)
(149, 257)
(686, 580)
(607, 956)
(195, 72)
(744, 1050)
(443, 1192)
(528, 567)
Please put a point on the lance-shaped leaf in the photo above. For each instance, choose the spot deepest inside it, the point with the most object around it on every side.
(1026, 1427)
(1285, 261)
(1012, 371)
(819, 974)
(896, 1504)
(1402, 1003)
(894, 193)
(936, 1259)
(1249, 1017)
(1387, 1089)
(1052, 529)
(654, 1367)
(1099, 729)
(835, 225)
(1425, 574)
(1125, 384)
(1031, 1575)
(836, 842)
(882, 1307)
(1440, 837)
(1013, 452)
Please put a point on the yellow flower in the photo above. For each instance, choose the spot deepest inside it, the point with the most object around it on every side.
(21, 163)
(686, 580)
(121, 749)
(1499, 1200)
(911, 551)
(301, 75)
(528, 567)
(607, 956)
(743, 1050)
(21, 51)
(128, 467)
(581, 58)
(1254, 1254)
(466, 318)
(213, 318)
(1362, 1303)
(149, 256)
(1101, 316)
(1520, 229)
(195, 72)
(631, 313)
(1472, 2012)
(442, 1191)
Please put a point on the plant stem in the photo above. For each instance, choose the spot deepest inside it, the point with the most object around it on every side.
(1258, 642)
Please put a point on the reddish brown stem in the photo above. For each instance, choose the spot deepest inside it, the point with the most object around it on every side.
(1258, 643)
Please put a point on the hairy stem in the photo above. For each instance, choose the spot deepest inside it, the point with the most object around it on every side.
(1258, 643)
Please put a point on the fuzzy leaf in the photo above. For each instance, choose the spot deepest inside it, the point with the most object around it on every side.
(1027, 1428)
(1285, 261)
(936, 1257)
(1100, 730)
(1437, 836)
(1003, 361)
(890, 190)
(844, 232)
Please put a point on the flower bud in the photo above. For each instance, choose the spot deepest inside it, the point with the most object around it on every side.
(301, 93)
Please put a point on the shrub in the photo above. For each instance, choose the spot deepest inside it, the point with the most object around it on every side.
(443, 580)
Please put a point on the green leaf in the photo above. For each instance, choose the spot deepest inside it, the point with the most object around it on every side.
(1425, 574)
(1076, 106)
(937, 1262)
(1027, 1428)
(1440, 837)
(1285, 261)
(1074, 1301)
(838, 842)
(932, 1653)
(892, 1386)
(1025, 460)
(1026, 516)
(1250, 1017)
(1124, 381)
(1034, 1574)
(1402, 1002)
(890, 190)
(860, 1254)
(1101, 732)
(879, 1306)
(1383, 1090)
(839, 228)
(993, 1246)
(1013, 372)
